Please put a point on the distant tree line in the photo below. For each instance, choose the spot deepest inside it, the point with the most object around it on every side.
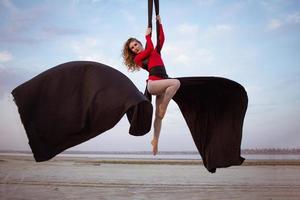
(271, 151)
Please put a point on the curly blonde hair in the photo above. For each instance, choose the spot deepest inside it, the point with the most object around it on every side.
(128, 55)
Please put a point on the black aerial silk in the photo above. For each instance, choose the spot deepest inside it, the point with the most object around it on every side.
(214, 109)
(76, 101)
(150, 11)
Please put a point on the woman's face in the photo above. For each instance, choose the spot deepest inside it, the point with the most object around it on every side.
(135, 47)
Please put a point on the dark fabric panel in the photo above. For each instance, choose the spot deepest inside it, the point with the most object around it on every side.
(214, 109)
(76, 101)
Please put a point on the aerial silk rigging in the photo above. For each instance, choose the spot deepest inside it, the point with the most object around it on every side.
(214, 109)
(76, 101)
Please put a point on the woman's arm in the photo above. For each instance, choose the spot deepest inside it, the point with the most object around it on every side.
(149, 47)
(161, 33)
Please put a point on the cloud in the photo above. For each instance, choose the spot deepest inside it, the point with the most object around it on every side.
(27, 26)
(180, 55)
(9, 6)
(91, 48)
(205, 2)
(219, 30)
(293, 18)
(191, 52)
(60, 31)
(222, 28)
(5, 56)
(284, 21)
(233, 10)
(188, 29)
(205, 56)
(19, 22)
(128, 16)
(274, 24)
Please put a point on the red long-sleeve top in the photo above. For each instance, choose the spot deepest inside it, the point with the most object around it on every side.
(154, 58)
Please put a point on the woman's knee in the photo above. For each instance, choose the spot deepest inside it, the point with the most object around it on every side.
(178, 83)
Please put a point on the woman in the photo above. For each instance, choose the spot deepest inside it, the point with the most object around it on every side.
(158, 84)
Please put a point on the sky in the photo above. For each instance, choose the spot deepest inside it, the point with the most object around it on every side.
(253, 42)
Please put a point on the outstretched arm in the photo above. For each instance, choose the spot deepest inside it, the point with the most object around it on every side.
(149, 47)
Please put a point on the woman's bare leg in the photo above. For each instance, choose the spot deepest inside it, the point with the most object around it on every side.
(157, 125)
(165, 87)
(164, 91)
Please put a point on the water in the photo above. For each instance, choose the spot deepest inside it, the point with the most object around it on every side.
(140, 156)
(184, 156)
(164, 156)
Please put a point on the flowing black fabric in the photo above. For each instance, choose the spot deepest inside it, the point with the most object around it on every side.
(214, 110)
(76, 101)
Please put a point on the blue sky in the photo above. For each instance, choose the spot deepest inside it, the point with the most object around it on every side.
(254, 42)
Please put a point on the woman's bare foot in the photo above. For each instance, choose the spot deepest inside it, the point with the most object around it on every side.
(154, 143)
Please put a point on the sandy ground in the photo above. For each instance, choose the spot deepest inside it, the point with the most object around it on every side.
(22, 178)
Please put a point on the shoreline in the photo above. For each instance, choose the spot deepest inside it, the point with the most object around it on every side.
(80, 178)
(143, 161)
